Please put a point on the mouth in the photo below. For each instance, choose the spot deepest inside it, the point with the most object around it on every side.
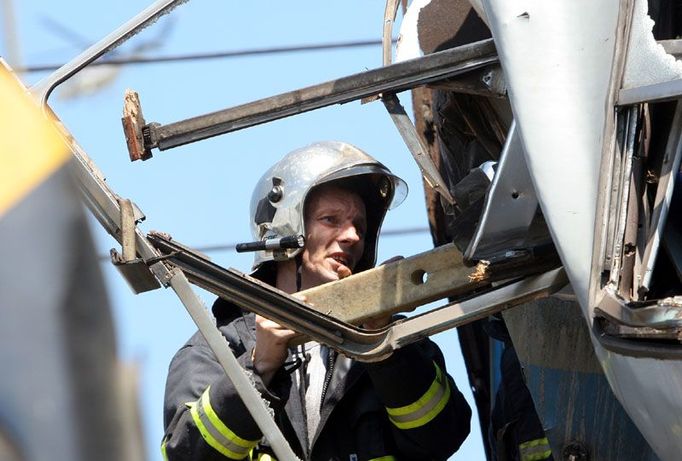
(343, 259)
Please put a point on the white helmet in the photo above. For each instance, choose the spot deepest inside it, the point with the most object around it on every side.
(278, 200)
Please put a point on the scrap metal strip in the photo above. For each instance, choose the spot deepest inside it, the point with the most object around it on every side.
(664, 192)
(656, 92)
(394, 78)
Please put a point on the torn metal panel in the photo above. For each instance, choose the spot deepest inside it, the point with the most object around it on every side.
(582, 59)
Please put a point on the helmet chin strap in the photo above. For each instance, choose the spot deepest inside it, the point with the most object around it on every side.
(299, 267)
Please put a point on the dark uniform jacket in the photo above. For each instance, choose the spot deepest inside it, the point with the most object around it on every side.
(404, 408)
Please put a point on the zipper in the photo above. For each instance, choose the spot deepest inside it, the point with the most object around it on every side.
(331, 360)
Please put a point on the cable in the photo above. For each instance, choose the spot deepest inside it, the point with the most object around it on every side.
(233, 246)
(204, 56)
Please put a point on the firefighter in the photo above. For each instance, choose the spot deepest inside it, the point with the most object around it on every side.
(327, 406)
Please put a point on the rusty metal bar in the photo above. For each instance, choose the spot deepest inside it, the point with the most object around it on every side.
(393, 78)
(364, 345)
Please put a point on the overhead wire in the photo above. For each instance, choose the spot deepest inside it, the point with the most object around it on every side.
(210, 55)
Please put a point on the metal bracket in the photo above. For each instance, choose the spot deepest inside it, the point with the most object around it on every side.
(133, 269)
(510, 204)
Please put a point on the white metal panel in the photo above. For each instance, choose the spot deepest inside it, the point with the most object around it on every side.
(557, 58)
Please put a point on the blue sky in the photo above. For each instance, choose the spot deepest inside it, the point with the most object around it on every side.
(200, 193)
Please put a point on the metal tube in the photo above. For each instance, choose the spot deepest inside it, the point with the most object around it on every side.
(249, 395)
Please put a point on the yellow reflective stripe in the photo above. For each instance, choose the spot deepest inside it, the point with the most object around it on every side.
(427, 407)
(535, 450)
(163, 450)
(31, 148)
(384, 458)
(216, 433)
(261, 457)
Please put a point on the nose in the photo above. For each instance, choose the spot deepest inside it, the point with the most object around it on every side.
(350, 234)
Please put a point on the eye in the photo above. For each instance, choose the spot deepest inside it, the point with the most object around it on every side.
(329, 219)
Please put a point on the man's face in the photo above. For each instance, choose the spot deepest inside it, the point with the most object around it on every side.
(335, 223)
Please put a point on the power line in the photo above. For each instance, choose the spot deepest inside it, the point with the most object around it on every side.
(213, 55)
(232, 246)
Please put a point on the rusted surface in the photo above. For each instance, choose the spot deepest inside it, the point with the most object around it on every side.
(133, 122)
(448, 23)
(423, 120)
(397, 287)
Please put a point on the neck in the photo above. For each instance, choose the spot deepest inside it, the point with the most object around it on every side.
(286, 276)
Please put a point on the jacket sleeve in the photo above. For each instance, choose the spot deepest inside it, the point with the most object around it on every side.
(429, 416)
(204, 417)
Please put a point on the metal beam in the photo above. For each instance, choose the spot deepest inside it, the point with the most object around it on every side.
(393, 78)
(365, 345)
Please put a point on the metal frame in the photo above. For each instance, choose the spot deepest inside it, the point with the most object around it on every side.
(261, 298)
(105, 206)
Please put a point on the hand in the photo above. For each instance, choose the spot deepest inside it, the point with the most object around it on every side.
(271, 349)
